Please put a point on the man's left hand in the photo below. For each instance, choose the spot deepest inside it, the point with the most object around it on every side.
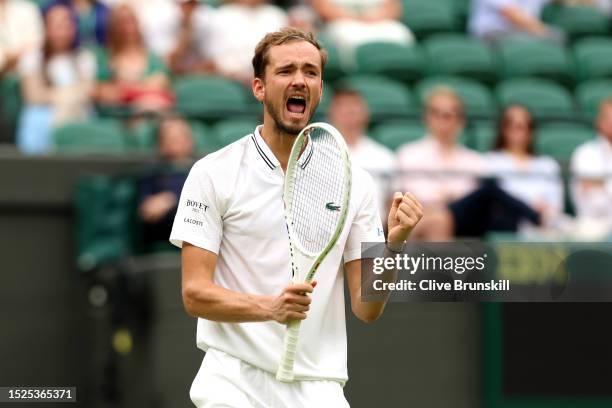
(405, 213)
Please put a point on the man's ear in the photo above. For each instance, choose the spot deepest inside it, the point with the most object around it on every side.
(259, 89)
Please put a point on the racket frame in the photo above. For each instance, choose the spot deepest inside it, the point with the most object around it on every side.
(285, 368)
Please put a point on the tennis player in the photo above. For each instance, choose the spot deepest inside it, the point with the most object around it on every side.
(236, 265)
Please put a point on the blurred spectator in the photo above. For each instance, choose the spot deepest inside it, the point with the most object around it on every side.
(21, 31)
(128, 75)
(591, 167)
(236, 28)
(189, 54)
(535, 180)
(350, 23)
(495, 20)
(92, 19)
(349, 113)
(605, 6)
(177, 31)
(160, 188)
(303, 17)
(56, 81)
(436, 168)
(525, 188)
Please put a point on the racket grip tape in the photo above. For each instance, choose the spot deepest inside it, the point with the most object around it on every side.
(285, 368)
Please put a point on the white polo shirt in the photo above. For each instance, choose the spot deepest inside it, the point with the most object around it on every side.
(232, 205)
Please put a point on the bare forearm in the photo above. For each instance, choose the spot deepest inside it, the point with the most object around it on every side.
(213, 302)
(368, 311)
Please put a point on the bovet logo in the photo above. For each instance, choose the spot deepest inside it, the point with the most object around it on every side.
(196, 205)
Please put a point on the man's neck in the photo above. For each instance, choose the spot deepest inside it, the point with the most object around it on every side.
(279, 142)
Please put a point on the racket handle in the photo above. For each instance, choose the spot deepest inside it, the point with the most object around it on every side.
(285, 369)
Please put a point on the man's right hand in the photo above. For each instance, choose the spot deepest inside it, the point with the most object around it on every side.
(292, 303)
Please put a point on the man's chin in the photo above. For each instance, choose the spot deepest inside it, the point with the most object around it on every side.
(293, 128)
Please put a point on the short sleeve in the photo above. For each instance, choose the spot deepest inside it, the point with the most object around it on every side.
(198, 217)
(366, 226)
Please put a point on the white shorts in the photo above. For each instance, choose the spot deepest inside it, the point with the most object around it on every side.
(228, 382)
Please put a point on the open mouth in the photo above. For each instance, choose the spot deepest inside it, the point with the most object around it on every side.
(296, 104)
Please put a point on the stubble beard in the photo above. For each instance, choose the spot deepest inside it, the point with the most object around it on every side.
(278, 122)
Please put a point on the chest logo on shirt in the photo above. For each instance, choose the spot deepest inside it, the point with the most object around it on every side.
(332, 207)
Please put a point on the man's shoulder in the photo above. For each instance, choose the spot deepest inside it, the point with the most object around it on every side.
(219, 161)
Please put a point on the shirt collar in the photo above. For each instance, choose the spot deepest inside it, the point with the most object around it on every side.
(270, 159)
(264, 150)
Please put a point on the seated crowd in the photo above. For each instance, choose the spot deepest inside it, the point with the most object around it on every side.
(79, 58)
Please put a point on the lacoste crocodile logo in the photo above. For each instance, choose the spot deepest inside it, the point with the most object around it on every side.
(332, 207)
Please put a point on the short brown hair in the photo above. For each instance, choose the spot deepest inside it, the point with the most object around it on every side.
(283, 36)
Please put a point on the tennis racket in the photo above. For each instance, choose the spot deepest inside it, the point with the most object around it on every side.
(316, 195)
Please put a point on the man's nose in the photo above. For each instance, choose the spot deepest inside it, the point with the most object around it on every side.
(298, 79)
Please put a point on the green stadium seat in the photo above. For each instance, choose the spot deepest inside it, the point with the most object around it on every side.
(334, 68)
(545, 99)
(579, 21)
(590, 94)
(105, 136)
(593, 57)
(425, 17)
(386, 98)
(203, 136)
(559, 140)
(462, 11)
(521, 58)
(10, 105)
(104, 212)
(321, 112)
(142, 137)
(394, 134)
(482, 136)
(478, 100)
(459, 54)
(402, 62)
(210, 97)
(230, 130)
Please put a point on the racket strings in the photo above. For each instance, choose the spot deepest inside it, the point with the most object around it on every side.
(317, 193)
